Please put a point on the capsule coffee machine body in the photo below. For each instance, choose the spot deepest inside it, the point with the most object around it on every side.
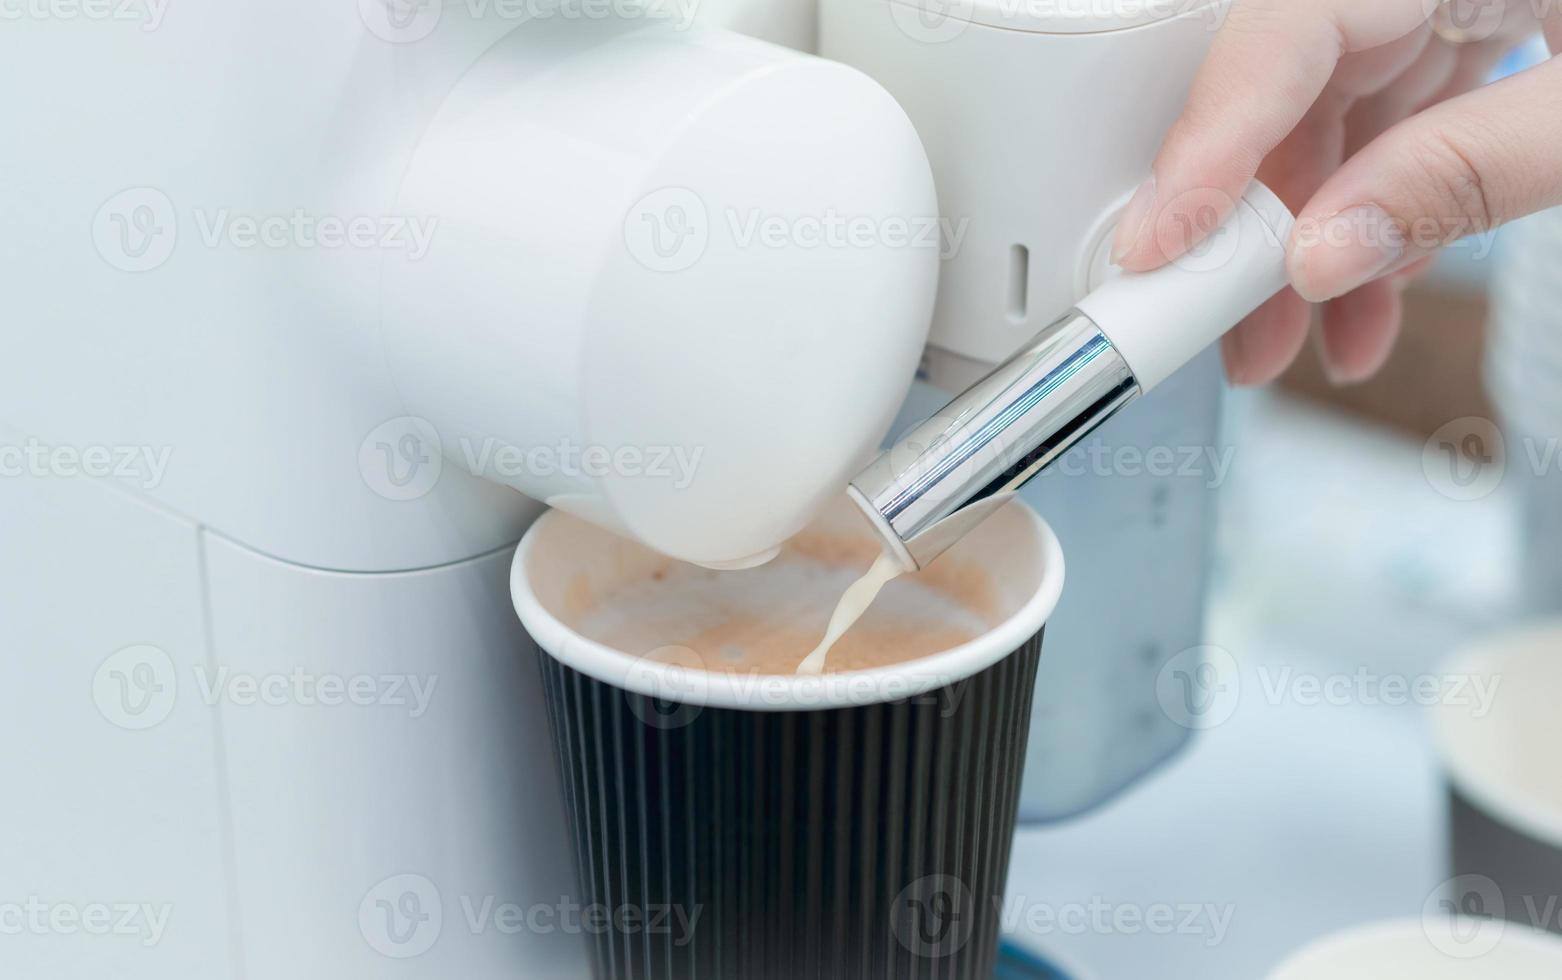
(262, 681)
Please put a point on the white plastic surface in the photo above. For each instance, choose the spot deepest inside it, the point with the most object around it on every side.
(695, 250)
(1035, 136)
(112, 784)
(144, 312)
(1161, 320)
(385, 834)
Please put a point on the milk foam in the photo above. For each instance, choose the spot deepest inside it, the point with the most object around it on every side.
(767, 620)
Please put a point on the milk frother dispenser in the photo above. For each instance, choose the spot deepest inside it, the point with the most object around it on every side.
(931, 488)
(1039, 119)
(339, 502)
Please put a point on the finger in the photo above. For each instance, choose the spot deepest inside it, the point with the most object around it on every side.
(1266, 68)
(1408, 94)
(1462, 167)
(1473, 69)
(1263, 345)
(1359, 330)
(1413, 271)
(1364, 73)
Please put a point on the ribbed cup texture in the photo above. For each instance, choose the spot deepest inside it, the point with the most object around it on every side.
(844, 844)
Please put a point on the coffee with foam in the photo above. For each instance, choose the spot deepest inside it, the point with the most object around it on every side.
(767, 620)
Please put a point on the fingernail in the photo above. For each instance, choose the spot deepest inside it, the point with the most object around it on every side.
(1333, 374)
(1136, 218)
(1347, 251)
(1235, 362)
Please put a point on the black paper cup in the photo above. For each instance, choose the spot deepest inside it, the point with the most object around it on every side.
(853, 826)
(1498, 732)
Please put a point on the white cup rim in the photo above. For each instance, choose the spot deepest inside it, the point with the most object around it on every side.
(1324, 952)
(1461, 761)
(719, 689)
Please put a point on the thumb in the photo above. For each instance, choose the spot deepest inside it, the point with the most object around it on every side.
(1463, 167)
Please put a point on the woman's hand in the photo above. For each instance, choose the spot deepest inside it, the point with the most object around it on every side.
(1368, 118)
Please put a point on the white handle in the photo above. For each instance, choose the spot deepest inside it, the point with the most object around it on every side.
(1161, 320)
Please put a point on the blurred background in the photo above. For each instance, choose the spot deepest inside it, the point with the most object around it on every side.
(1366, 534)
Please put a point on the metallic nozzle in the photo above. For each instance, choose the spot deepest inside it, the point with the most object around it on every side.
(954, 470)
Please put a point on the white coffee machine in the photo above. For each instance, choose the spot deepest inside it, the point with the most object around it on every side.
(265, 712)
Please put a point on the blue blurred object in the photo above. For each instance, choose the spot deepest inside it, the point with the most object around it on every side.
(1134, 507)
(1525, 56)
(1016, 963)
